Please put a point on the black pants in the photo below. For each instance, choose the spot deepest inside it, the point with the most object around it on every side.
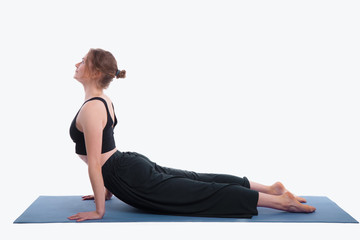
(143, 184)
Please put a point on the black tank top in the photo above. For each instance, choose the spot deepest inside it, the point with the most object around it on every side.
(108, 142)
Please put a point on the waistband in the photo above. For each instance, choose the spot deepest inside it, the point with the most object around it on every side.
(118, 155)
(115, 155)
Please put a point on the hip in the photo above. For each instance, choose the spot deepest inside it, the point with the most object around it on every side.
(133, 168)
(124, 160)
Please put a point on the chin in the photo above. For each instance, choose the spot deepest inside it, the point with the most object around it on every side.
(75, 77)
(79, 80)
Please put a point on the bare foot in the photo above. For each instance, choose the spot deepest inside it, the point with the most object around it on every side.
(279, 189)
(291, 204)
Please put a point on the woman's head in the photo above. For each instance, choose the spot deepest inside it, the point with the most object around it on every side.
(100, 66)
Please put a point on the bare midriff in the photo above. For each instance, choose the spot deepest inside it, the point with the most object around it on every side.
(104, 156)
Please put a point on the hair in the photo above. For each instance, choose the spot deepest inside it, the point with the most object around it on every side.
(105, 63)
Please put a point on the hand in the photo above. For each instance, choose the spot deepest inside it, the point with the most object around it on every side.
(88, 197)
(108, 195)
(91, 197)
(82, 216)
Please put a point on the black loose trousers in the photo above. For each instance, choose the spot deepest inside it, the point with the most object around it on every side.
(143, 184)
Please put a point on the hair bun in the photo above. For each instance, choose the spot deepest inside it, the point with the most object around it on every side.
(122, 74)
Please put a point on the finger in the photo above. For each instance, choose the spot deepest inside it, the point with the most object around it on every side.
(88, 197)
(73, 217)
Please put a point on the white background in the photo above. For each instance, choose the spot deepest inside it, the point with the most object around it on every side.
(263, 89)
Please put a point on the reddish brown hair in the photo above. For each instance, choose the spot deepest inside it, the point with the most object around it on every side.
(104, 62)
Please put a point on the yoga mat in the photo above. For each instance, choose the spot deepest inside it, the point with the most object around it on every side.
(56, 209)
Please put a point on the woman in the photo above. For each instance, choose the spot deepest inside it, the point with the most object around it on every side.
(136, 180)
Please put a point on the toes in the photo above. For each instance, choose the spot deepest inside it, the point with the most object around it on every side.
(292, 204)
(289, 195)
(311, 209)
(300, 199)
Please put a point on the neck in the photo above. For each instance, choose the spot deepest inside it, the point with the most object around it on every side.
(92, 91)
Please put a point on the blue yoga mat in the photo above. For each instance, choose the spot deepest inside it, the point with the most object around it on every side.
(56, 209)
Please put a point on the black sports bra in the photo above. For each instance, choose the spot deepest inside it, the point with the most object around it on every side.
(108, 142)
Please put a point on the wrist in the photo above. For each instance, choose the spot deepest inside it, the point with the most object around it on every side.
(101, 213)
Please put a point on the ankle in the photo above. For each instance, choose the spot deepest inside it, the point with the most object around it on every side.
(272, 201)
(277, 189)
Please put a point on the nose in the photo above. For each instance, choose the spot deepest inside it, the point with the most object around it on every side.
(77, 65)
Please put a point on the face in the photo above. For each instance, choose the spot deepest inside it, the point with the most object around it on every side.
(80, 72)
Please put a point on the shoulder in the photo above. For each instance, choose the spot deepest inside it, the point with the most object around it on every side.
(107, 100)
(93, 111)
(93, 105)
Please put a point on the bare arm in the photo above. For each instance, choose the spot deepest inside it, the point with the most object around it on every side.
(108, 194)
(92, 123)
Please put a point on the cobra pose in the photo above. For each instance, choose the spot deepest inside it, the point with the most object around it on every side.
(142, 183)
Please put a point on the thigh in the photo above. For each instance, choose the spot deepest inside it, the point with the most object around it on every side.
(205, 177)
